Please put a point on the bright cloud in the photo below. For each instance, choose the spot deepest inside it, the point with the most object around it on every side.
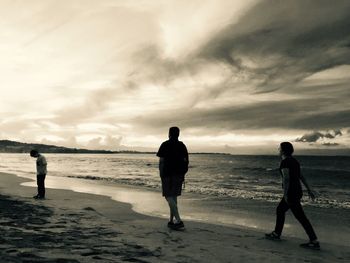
(116, 74)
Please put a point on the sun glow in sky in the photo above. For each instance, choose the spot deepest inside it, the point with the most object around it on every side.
(235, 76)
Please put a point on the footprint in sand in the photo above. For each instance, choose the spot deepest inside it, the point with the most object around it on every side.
(11, 250)
(89, 209)
(91, 253)
(204, 230)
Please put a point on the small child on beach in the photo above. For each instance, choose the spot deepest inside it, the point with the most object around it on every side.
(173, 165)
(292, 193)
(41, 171)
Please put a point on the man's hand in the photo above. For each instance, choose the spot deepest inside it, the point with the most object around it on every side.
(311, 195)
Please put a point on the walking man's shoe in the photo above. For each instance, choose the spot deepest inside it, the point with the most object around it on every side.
(273, 236)
(311, 245)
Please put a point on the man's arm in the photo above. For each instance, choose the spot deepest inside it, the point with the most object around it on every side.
(285, 178)
(186, 159)
(161, 154)
(310, 192)
(42, 166)
(161, 166)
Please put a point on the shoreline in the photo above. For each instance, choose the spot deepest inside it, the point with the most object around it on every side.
(110, 231)
(256, 215)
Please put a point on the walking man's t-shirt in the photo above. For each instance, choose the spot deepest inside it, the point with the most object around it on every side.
(295, 189)
(41, 165)
(175, 157)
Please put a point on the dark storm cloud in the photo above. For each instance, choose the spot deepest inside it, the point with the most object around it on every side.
(330, 144)
(287, 40)
(276, 44)
(316, 135)
(310, 137)
(148, 67)
(289, 114)
(151, 66)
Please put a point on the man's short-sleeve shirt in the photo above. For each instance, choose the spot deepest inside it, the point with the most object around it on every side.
(41, 165)
(295, 189)
(175, 157)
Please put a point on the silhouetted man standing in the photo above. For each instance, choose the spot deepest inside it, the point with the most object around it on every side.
(173, 165)
(292, 193)
(41, 171)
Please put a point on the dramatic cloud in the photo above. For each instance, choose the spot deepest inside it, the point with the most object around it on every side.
(330, 144)
(109, 143)
(290, 114)
(278, 43)
(234, 75)
(315, 136)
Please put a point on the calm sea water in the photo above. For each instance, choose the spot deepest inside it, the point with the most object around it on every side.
(248, 177)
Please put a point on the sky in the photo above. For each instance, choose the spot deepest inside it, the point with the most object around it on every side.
(235, 76)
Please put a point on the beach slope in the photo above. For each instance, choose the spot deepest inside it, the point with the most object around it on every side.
(77, 227)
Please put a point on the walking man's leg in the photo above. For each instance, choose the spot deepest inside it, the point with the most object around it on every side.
(41, 185)
(173, 208)
(299, 214)
(38, 183)
(281, 210)
(178, 219)
(171, 219)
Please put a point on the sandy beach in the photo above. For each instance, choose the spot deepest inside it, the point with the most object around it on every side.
(79, 227)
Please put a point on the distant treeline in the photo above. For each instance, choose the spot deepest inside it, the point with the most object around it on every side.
(7, 146)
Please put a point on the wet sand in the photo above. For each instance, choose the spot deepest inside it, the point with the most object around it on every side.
(78, 227)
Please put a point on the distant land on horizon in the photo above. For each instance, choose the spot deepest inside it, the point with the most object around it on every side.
(9, 146)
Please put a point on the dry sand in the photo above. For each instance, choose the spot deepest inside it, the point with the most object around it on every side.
(77, 227)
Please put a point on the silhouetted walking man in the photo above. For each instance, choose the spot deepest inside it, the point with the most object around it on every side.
(41, 170)
(173, 165)
(292, 193)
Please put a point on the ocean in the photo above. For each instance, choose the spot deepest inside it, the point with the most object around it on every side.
(210, 175)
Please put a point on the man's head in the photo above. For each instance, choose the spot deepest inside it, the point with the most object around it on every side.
(174, 133)
(34, 153)
(286, 149)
